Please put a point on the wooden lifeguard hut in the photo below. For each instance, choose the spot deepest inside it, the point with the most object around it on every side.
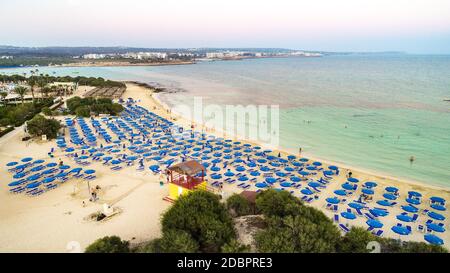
(184, 178)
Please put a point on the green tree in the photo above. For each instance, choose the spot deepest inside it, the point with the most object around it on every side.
(39, 126)
(21, 91)
(83, 111)
(173, 241)
(3, 95)
(276, 203)
(356, 241)
(203, 217)
(108, 244)
(293, 227)
(43, 88)
(47, 111)
(32, 82)
(235, 247)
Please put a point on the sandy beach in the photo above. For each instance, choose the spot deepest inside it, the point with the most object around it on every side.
(53, 221)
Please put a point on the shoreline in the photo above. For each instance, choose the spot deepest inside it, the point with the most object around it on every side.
(286, 151)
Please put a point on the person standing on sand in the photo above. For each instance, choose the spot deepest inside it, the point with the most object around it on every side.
(300, 151)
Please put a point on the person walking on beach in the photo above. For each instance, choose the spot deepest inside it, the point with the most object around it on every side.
(349, 174)
(300, 151)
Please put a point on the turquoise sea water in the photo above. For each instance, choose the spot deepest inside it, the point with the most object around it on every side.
(372, 112)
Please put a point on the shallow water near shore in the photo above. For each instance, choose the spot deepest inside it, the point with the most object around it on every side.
(371, 112)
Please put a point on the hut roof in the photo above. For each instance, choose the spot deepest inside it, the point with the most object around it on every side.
(191, 167)
(250, 196)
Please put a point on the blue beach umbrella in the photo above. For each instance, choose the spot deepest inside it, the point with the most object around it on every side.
(240, 169)
(328, 173)
(75, 170)
(404, 218)
(59, 175)
(255, 173)
(348, 215)
(410, 208)
(228, 173)
(354, 205)
(438, 207)
(437, 199)
(52, 164)
(433, 239)
(26, 159)
(435, 227)
(368, 191)
(391, 189)
(389, 196)
(307, 191)
(340, 192)
(215, 169)
(332, 167)
(333, 200)
(347, 186)
(314, 184)
(414, 193)
(33, 185)
(379, 212)
(39, 161)
(270, 180)
(295, 179)
(33, 177)
(303, 173)
(243, 178)
(265, 169)
(261, 185)
(384, 203)
(436, 216)
(15, 183)
(216, 176)
(370, 184)
(64, 167)
(353, 180)
(286, 184)
(116, 162)
(304, 159)
(89, 171)
(10, 164)
(374, 223)
(37, 168)
(400, 230)
(413, 201)
(311, 168)
(317, 164)
(48, 180)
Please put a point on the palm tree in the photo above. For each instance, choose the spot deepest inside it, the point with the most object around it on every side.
(21, 91)
(42, 83)
(32, 83)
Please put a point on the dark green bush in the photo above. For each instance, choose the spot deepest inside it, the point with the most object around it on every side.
(203, 217)
(173, 241)
(108, 244)
(238, 205)
(39, 126)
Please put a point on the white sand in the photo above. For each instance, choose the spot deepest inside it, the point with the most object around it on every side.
(47, 223)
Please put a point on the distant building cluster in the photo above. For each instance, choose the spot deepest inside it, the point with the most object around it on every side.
(137, 55)
(245, 54)
(6, 57)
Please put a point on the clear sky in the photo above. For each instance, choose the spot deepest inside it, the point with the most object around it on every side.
(415, 26)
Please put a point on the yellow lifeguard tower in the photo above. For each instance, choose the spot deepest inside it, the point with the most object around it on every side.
(184, 178)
